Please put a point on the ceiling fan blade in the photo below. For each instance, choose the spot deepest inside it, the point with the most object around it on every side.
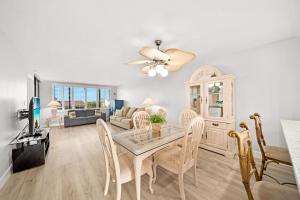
(146, 69)
(138, 62)
(179, 57)
(173, 68)
(154, 54)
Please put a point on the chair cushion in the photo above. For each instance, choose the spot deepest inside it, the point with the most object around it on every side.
(127, 168)
(278, 153)
(169, 158)
(263, 190)
(130, 112)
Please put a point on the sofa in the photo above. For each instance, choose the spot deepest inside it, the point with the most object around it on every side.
(124, 117)
(82, 117)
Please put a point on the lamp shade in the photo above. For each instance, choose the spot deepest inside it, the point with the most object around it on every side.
(148, 102)
(53, 104)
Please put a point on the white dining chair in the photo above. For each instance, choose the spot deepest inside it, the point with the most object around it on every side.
(186, 116)
(141, 119)
(179, 160)
(119, 167)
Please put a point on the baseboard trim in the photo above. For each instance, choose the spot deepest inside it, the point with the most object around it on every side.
(4, 178)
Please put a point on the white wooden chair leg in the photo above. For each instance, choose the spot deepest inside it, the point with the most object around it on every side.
(181, 187)
(195, 175)
(107, 182)
(154, 173)
(119, 188)
(150, 174)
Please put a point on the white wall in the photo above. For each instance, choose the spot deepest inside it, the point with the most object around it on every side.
(13, 96)
(267, 82)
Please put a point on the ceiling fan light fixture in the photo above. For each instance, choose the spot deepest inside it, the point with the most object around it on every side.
(164, 73)
(152, 72)
(159, 68)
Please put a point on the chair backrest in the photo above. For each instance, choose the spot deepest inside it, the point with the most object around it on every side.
(141, 119)
(162, 112)
(245, 153)
(109, 148)
(191, 141)
(186, 116)
(259, 134)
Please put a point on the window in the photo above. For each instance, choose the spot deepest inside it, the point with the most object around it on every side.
(58, 95)
(67, 98)
(79, 97)
(104, 97)
(91, 97)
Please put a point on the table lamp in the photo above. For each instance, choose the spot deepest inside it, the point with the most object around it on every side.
(148, 102)
(54, 105)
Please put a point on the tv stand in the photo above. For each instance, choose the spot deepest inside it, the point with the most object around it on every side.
(30, 150)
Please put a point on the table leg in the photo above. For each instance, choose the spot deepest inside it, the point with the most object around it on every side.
(137, 170)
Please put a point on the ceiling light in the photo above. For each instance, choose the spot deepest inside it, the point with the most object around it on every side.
(159, 68)
(152, 72)
(164, 73)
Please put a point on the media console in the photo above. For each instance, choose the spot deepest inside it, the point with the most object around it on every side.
(30, 150)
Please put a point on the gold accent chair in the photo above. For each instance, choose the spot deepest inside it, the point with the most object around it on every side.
(261, 190)
(141, 119)
(120, 167)
(179, 160)
(269, 154)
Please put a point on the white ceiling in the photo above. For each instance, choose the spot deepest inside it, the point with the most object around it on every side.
(91, 40)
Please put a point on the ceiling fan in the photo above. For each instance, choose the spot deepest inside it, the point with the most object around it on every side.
(162, 62)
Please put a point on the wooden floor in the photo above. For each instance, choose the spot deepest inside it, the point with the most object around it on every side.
(75, 170)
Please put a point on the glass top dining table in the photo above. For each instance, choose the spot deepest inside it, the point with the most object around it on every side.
(139, 141)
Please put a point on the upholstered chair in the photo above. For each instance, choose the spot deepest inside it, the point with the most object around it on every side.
(269, 154)
(180, 159)
(261, 190)
(119, 167)
(141, 119)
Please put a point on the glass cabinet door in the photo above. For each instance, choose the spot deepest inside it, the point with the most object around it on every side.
(215, 99)
(195, 98)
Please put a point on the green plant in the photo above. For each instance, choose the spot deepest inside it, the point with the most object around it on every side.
(157, 119)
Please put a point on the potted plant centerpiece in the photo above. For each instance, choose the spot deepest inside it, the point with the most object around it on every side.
(157, 120)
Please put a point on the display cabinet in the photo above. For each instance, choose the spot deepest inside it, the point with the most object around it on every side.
(211, 95)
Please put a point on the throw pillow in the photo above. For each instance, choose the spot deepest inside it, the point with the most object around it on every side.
(72, 114)
(125, 111)
(119, 113)
(130, 112)
(97, 113)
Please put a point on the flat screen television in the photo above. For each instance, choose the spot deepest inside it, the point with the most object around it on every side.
(34, 115)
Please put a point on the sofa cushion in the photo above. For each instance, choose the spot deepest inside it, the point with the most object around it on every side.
(90, 112)
(126, 120)
(113, 117)
(80, 113)
(119, 113)
(119, 118)
(97, 113)
(125, 111)
(130, 112)
(72, 115)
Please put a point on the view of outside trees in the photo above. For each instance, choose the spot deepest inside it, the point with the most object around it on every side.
(91, 97)
(81, 97)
